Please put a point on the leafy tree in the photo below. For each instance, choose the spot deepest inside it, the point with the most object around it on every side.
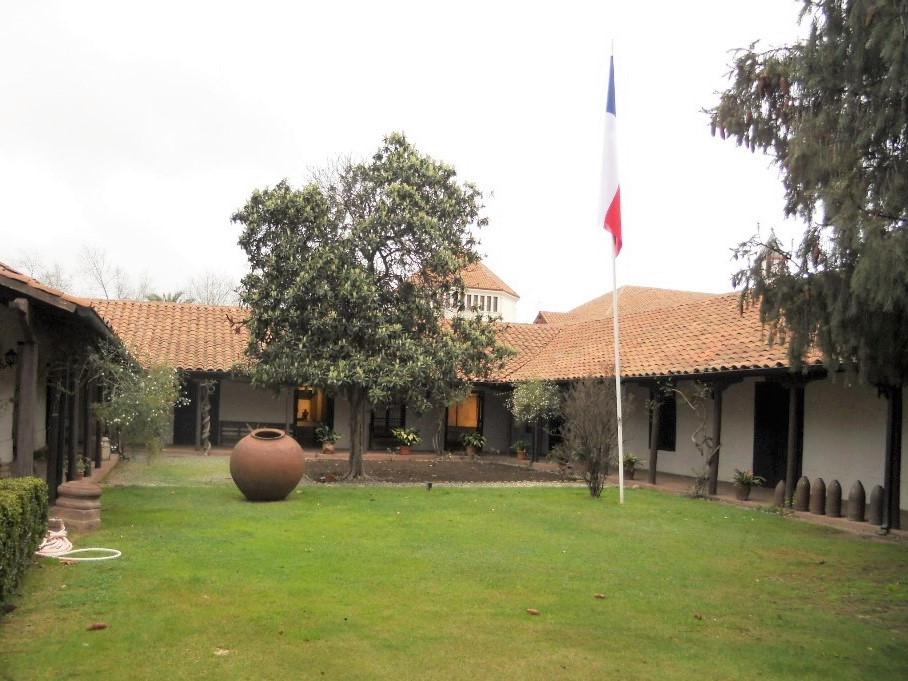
(590, 430)
(138, 402)
(348, 279)
(535, 403)
(832, 112)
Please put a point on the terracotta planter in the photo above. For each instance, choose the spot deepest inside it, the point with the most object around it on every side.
(472, 451)
(630, 472)
(521, 455)
(327, 448)
(266, 465)
(742, 492)
(406, 450)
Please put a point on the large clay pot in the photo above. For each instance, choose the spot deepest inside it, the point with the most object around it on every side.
(266, 464)
(742, 492)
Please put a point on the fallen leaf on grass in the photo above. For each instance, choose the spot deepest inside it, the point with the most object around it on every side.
(698, 616)
(220, 652)
(97, 626)
(600, 596)
(533, 611)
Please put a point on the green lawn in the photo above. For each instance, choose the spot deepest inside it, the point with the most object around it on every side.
(401, 583)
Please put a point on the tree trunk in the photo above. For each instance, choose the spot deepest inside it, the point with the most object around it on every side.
(439, 436)
(536, 442)
(357, 398)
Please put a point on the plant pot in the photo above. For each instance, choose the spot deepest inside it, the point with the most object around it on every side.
(327, 448)
(742, 492)
(406, 450)
(629, 472)
(266, 464)
(472, 451)
(521, 455)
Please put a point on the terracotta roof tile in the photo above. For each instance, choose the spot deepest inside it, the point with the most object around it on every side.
(631, 299)
(14, 274)
(702, 336)
(183, 335)
(478, 275)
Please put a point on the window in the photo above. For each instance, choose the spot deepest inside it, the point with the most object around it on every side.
(469, 301)
(465, 414)
(311, 406)
(668, 424)
(495, 304)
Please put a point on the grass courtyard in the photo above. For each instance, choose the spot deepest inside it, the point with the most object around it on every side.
(343, 582)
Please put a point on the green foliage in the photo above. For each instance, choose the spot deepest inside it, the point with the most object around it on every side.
(831, 112)
(473, 439)
(590, 430)
(520, 446)
(138, 402)
(407, 436)
(175, 297)
(747, 478)
(325, 434)
(348, 278)
(631, 461)
(534, 401)
(23, 523)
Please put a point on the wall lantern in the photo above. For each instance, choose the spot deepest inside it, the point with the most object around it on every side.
(10, 358)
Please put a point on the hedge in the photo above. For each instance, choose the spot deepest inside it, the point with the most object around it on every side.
(23, 523)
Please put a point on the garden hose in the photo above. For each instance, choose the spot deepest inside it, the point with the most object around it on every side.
(57, 545)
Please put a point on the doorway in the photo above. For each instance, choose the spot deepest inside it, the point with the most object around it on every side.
(312, 408)
(382, 423)
(463, 417)
(771, 403)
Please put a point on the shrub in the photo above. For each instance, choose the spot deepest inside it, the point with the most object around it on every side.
(407, 436)
(590, 429)
(323, 433)
(23, 522)
(474, 439)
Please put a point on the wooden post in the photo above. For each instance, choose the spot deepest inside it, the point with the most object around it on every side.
(794, 429)
(98, 397)
(717, 389)
(656, 400)
(86, 428)
(892, 473)
(27, 388)
(54, 446)
(72, 418)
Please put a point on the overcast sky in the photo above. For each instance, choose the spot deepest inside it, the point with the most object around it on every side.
(140, 128)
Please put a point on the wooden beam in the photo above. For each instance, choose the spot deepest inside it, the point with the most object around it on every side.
(892, 474)
(717, 390)
(795, 390)
(656, 401)
(72, 418)
(37, 294)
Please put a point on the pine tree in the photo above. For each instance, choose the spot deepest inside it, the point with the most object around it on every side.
(832, 112)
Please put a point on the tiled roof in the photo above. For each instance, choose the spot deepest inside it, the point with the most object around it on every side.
(478, 275)
(702, 336)
(631, 299)
(183, 335)
(40, 288)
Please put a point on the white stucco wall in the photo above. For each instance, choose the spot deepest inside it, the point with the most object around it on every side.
(737, 428)
(239, 401)
(844, 433)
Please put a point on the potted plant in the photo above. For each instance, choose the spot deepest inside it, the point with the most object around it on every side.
(327, 437)
(630, 466)
(473, 443)
(520, 449)
(407, 438)
(744, 481)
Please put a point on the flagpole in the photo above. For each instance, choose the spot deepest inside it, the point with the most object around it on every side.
(617, 344)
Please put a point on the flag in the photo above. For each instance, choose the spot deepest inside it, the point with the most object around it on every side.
(611, 190)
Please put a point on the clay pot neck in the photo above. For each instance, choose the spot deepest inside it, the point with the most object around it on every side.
(268, 434)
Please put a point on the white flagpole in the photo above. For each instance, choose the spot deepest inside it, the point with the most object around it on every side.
(617, 343)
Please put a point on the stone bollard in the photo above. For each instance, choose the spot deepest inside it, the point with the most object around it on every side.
(778, 495)
(818, 497)
(834, 500)
(79, 505)
(856, 502)
(802, 495)
(875, 507)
